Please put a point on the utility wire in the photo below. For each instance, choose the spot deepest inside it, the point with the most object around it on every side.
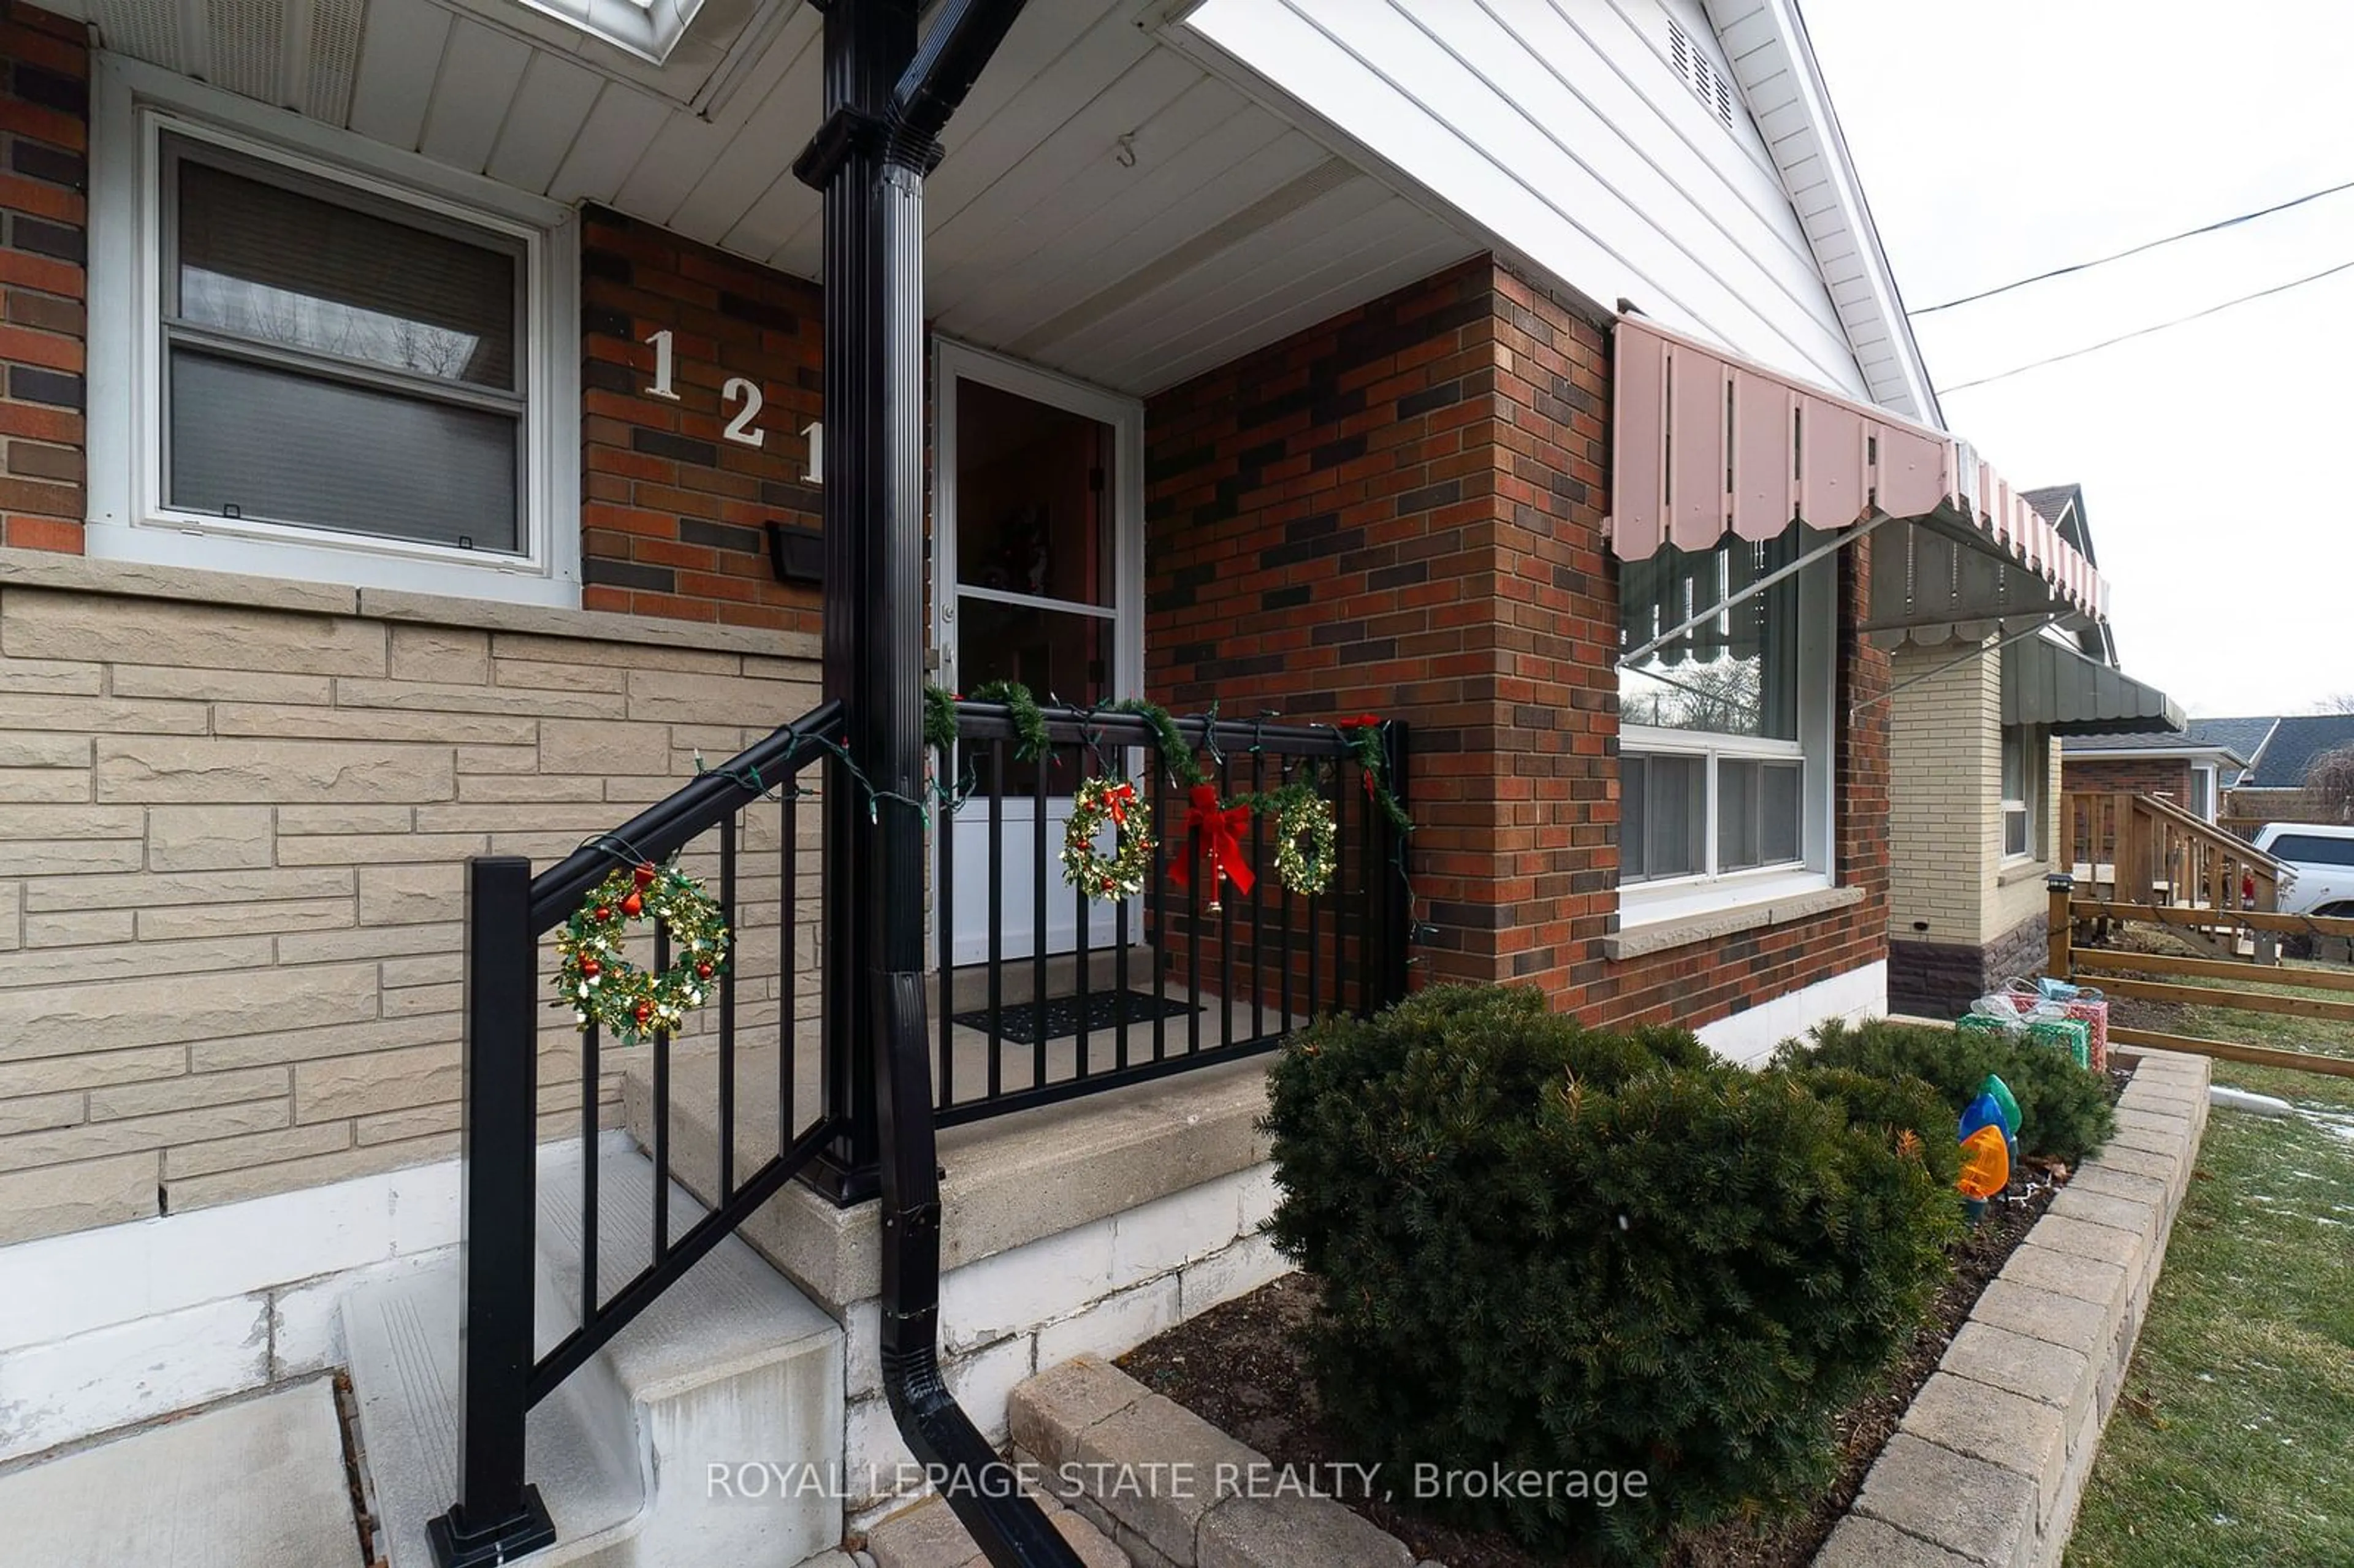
(2119, 256)
(2144, 332)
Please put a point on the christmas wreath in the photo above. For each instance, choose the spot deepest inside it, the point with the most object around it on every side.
(1301, 812)
(1122, 874)
(601, 987)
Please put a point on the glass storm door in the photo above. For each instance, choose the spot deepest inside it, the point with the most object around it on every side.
(1036, 562)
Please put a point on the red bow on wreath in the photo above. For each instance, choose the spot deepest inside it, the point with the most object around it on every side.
(1211, 833)
(1116, 801)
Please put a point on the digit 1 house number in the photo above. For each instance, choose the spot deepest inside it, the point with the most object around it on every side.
(740, 428)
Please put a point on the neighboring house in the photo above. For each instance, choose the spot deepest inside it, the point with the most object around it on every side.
(2250, 771)
(2193, 768)
(1975, 783)
(413, 411)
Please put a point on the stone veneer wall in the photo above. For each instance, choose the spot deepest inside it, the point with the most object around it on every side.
(236, 817)
(1940, 980)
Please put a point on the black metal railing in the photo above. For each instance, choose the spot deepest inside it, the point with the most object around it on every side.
(497, 1516)
(1187, 987)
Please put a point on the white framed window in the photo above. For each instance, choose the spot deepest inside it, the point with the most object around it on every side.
(1725, 733)
(2025, 762)
(2202, 790)
(336, 363)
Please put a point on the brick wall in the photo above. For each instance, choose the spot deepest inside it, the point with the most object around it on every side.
(1399, 509)
(1944, 803)
(674, 514)
(44, 168)
(230, 901)
(2165, 776)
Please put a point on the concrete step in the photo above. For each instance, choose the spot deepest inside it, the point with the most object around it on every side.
(730, 1372)
(929, 1536)
(259, 1483)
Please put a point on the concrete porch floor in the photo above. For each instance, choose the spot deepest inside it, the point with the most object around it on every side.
(255, 1484)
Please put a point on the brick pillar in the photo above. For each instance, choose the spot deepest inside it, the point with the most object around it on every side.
(44, 176)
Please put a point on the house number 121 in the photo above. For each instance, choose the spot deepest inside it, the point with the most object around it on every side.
(736, 390)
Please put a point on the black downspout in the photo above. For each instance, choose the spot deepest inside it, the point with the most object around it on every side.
(871, 168)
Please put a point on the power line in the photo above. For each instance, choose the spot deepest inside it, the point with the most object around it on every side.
(2119, 256)
(2144, 332)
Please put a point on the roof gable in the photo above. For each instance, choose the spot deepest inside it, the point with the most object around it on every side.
(2063, 507)
(1773, 64)
(2293, 745)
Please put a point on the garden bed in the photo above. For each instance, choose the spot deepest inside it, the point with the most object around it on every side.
(1239, 1367)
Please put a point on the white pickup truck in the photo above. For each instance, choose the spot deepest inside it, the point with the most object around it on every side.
(2321, 857)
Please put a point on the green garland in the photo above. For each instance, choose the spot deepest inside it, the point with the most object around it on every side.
(1030, 739)
(601, 987)
(939, 718)
(1176, 752)
(1304, 869)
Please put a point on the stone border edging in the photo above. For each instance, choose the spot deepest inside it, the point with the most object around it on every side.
(1990, 1459)
(1168, 1510)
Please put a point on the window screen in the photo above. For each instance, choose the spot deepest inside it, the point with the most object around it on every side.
(338, 362)
(1757, 813)
(1663, 816)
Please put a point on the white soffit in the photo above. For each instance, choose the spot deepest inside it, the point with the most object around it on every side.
(1766, 42)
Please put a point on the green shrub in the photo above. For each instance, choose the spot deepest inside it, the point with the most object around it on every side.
(2064, 1110)
(1545, 1248)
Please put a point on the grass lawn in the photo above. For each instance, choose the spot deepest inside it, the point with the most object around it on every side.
(2234, 1442)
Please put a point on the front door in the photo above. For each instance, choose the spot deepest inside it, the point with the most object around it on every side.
(1038, 568)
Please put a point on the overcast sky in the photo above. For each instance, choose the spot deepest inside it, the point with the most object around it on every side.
(1997, 138)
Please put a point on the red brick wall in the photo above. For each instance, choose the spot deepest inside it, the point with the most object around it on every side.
(44, 168)
(673, 515)
(2167, 776)
(1399, 511)
(1321, 539)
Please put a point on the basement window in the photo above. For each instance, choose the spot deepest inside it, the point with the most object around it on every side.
(332, 375)
(335, 362)
(1725, 739)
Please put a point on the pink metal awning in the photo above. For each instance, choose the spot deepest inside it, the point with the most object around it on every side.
(1707, 443)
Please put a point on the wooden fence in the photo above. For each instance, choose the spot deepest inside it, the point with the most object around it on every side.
(2156, 977)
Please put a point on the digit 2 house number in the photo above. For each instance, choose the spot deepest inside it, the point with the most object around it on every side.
(740, 398)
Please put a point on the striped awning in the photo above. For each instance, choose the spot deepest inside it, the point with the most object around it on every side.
(2058, 688)
(1708, 444)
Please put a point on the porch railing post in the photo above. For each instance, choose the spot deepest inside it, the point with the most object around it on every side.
(2059, 962)
(497, 1516)
(1398, 905)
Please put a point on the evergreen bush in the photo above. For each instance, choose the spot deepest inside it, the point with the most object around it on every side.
(1545, 1248)
(2064, 1110)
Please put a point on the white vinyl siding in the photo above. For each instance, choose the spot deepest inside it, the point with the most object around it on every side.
(1569, 135)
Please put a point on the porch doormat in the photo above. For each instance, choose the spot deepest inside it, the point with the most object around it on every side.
(1019, 1020)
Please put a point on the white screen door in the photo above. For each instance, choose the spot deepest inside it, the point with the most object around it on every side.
(1038, 514)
